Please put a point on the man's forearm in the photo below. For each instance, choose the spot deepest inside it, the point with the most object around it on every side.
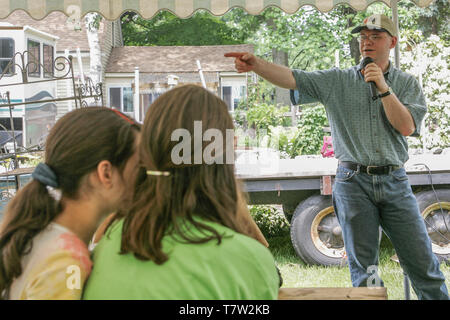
(279, 75)
(398, 115)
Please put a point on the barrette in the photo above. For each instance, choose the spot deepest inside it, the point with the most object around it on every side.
(158, 173)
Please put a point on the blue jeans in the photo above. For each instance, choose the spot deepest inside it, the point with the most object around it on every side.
(363, 203)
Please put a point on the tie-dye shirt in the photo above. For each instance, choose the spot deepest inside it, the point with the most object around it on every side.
(55, 269)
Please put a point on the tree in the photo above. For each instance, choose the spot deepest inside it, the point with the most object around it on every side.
(92, 22)
(166, 29)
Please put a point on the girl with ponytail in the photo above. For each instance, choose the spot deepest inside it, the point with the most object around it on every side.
(188, 233)
(48, 224)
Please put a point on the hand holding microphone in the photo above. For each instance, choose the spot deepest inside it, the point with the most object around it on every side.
(374, 75)
(373, 88)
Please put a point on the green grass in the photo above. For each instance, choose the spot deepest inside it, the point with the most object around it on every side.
(297, 274)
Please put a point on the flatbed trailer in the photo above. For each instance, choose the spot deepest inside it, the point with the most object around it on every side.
(303, 186)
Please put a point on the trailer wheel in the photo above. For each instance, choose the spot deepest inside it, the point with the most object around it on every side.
(437, 221)
(315, 232)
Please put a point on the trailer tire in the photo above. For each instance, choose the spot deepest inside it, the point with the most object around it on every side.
(435, 221)
(311, 218)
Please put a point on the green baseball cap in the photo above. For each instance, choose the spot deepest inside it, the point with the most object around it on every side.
(377, 22)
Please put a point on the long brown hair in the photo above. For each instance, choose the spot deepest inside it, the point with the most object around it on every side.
(167, 204)
(74, 147)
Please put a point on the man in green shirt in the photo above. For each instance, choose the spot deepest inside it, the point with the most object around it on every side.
(369, 138)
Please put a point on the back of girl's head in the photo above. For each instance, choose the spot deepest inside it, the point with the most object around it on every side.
(76, 144)
(178, 181)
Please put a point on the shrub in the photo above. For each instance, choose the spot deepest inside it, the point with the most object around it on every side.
(428, 60)
(309, 138)
(270, 220)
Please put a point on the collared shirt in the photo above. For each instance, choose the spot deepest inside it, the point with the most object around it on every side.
(360, 129)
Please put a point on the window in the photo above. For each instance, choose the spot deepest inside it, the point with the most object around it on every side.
(121, 98)
(6, 54)
(226, 96)
(232, 95)
(147, 99)
(34, 58)
(48, 61)
(127, 94)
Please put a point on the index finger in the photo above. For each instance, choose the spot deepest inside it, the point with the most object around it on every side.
(234, 54)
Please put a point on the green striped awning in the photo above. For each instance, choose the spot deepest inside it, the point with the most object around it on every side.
(112, 9)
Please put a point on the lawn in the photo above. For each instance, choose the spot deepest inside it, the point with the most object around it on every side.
(296, 274)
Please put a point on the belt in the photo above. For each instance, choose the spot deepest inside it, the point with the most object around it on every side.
(371, 170)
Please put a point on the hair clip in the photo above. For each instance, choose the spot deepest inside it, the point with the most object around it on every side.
(54, 193)
(158, 173)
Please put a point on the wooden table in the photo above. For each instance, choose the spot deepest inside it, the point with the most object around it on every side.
(362, 293)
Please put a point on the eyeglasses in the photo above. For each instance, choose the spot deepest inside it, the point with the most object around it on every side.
(372, 37)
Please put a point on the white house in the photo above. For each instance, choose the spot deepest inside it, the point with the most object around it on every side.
(72, 41)
(159, 68)
(33, 120)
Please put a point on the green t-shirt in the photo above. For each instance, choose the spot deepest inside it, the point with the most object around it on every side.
(238, 268)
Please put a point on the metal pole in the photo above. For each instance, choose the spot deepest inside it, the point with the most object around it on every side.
(69, 104)
(395, 20)
(11, 119)
(136, 94)
(200, 71)
(394, 7)
(74, 87)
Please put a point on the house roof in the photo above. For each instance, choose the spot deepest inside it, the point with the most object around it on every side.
(56, 24)
(174, 59)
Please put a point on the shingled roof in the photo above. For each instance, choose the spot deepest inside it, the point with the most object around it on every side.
(56, 24)
(173, 59)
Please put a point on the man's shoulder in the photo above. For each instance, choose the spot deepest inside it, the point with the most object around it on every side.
(402, 74)
(327, 72)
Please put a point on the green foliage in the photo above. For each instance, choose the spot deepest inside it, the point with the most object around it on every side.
(308, 36)
(429, 61)
(309, 138)
(270, 220)
(258, 111)
(263, 116)
(260, 92)
(166, 29)
(285, 140)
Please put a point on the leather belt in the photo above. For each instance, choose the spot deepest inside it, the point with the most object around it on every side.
(371, 170)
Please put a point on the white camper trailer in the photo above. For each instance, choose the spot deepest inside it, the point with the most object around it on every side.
(33, 121)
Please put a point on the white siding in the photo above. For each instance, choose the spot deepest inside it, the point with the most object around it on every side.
(63, 106)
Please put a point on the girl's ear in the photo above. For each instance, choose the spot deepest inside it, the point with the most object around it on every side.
(105, 173)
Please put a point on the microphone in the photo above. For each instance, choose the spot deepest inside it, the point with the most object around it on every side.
(373, 87)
